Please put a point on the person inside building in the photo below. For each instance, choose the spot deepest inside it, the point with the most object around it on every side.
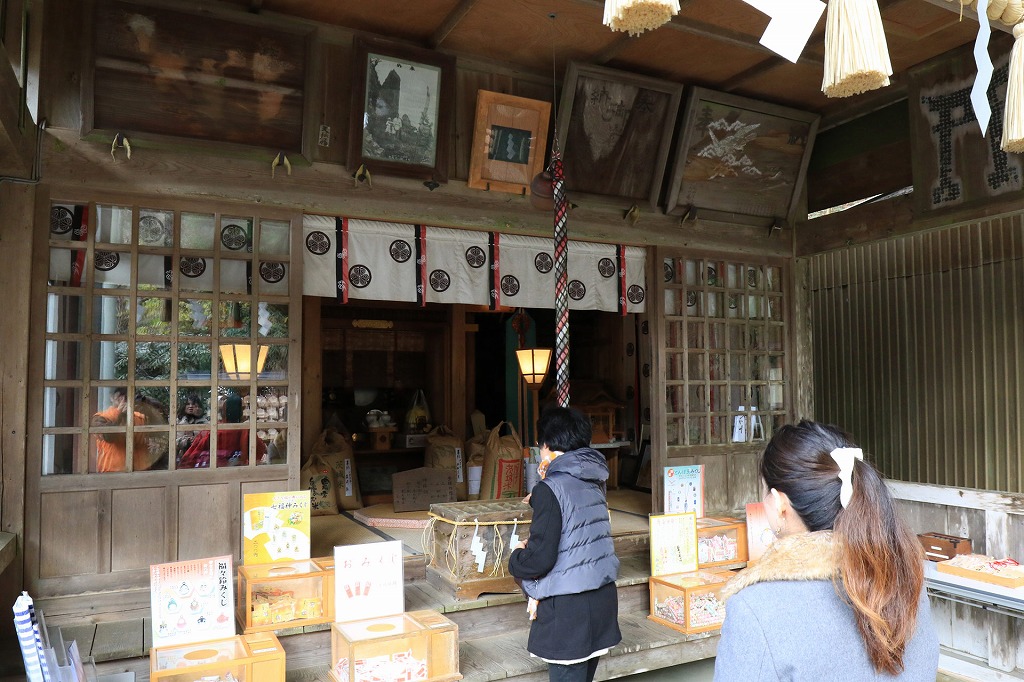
(192, 412)
(232, 444)
(568, 566)
(111, 447)
(839, 594)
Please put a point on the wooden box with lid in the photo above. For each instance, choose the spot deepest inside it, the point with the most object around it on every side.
(256, 657)
(284, 595)
(689, 602)
(420, 646)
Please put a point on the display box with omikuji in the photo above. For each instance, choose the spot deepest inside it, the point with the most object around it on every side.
(283, 595)
(256, 657)
(721, 541)
(418, 646)
(689, 602)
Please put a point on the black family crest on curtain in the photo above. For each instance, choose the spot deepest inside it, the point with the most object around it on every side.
(426, 264)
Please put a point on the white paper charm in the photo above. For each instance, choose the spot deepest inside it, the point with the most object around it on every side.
(979, 93)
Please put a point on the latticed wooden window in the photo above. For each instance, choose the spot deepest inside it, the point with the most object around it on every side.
(725, 359)
(152, 317)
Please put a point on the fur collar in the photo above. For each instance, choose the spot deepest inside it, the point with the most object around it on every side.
(802, 556)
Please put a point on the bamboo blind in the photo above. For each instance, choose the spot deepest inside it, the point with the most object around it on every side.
(917, 352)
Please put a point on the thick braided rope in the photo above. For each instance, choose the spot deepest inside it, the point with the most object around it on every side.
(561, 280)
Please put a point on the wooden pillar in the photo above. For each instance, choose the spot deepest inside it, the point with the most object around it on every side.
(17, 208)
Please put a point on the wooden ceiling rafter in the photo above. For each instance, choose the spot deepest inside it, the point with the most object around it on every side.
(609, 53)
(457, 14)
(713, 32)
(957, 9)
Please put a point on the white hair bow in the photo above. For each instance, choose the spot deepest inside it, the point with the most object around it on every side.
(844, 458)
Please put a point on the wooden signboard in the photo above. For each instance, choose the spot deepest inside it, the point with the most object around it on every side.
(954, 165)
(416, 489)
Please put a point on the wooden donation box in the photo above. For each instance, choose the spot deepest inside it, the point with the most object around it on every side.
(256, 657)
(283, 595)
(689, 602)
(720, 541)
(418, 646)
(470, 542)
(939, 546)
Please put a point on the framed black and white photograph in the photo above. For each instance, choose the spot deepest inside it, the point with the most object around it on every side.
(402, 100)
(615, 130)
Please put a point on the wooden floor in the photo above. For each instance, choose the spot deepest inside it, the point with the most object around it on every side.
(493, 628)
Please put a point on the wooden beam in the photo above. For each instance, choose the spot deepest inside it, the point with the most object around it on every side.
(609, 53)
(722, 35)
(451, 21)
(956, 8)
(80, 169)
(848, 108)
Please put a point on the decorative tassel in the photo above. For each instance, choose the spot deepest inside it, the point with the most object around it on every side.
(636, 16)
(1013, 13)
(1013, 115)
(856, 54)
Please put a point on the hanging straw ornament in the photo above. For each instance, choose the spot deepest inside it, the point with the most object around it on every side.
(636, 16)
(1013, 114)
(856, 55)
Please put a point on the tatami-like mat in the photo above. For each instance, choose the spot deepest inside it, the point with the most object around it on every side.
(629, 511)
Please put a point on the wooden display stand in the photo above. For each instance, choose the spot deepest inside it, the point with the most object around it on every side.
(688, 602)
(992, 578)
(284, 595)
(250, 657)
(418, 645)
(453, 567)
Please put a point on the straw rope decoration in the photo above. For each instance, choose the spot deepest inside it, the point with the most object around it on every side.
(1009, 12)
(856, 54)
(636, 16)
(452, 547)
(1013, 115)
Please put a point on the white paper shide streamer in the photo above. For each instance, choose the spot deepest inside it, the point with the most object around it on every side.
(856, 54)
(26, 627)
(636, 16)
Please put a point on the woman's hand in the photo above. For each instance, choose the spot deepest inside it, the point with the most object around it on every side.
(526, 500)
(521, 545)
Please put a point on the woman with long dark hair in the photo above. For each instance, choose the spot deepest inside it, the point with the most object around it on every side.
(839, 594)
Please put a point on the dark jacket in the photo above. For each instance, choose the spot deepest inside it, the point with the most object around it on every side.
(582, 618)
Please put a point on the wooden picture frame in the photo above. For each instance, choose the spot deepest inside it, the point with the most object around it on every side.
(738, 156)
(509, 142)
(615, 131)
(401, 114)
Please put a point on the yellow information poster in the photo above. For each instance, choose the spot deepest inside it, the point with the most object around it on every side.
(673, 543)
(275, 527)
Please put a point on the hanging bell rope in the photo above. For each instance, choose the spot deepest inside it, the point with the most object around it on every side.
(856, 54)
(1013, 114)
(636, 16)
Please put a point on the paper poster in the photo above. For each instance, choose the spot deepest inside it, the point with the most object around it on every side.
(759, 532)
(369, 581)
(275, 527)
(684, 489)
(192, 601)
(673, 542)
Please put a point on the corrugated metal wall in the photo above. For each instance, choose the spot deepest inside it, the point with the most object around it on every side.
(918, 352)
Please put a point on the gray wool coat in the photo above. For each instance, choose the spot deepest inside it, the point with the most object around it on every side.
(784, 620)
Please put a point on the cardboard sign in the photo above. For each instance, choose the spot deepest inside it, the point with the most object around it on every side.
(275, 527)
(369, 581)
(673, 543)
(192, 601)
(416, 489)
